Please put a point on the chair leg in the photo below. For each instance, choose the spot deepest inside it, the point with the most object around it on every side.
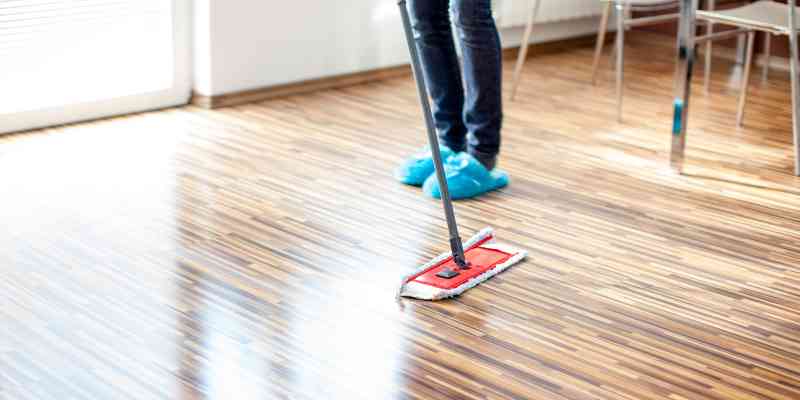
(601, 37)
(612, 61)
(767, 56)
(748, 61)
(523, 47)
(709, 48)
(621, 12)
(683, 82)
(628, 17)
(707, 70)
(794, 68)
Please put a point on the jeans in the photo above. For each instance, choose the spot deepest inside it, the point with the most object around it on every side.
(468, 117)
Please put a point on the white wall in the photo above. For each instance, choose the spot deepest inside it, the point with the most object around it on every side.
(254, 44)
(201, 26)
(515, 12)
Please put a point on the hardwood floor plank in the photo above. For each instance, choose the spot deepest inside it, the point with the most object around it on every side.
(253, 251)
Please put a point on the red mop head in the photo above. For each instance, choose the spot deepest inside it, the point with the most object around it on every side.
(486, 259)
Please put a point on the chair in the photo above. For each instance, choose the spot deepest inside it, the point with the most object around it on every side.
(625, 21)
(624, 9)
(711, 6)
(764, 16)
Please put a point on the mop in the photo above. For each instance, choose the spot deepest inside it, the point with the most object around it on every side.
(454, 272)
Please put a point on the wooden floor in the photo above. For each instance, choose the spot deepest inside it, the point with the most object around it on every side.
(253, 252)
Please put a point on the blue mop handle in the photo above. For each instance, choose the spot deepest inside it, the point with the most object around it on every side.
(455, 239)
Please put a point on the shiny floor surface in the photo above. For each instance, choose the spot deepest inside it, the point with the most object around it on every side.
(253, 252)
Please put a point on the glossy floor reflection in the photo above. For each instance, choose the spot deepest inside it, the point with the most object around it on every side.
(253, 252)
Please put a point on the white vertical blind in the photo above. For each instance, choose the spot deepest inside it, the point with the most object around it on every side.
(56, 53)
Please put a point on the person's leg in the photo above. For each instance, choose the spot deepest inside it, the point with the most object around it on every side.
(431, 22)
(481, 50)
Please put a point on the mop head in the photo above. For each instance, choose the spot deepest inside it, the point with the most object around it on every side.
(486, 257)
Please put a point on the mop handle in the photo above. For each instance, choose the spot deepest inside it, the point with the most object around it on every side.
(455, 240)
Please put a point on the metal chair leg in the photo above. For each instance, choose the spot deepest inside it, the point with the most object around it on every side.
(794, 68)
(612, 60)
(709, 47)
(523, 47)
(683, 81)
(748, 61)
(767, 55)
(628, 17)
(601, 37)
(707, 70)
(621, 12)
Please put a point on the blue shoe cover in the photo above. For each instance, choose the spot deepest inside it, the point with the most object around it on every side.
(466, 177)
(419, 166)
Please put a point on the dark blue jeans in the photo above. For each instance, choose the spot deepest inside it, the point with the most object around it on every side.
(468, 117)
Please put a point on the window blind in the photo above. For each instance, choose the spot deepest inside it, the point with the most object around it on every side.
(61, 52)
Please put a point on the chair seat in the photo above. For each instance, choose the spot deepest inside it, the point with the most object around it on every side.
(645, 5)
(765, 15)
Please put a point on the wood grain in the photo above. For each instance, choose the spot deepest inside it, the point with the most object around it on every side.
(252, 252)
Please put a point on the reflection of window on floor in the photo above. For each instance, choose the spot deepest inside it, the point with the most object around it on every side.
(62, 52)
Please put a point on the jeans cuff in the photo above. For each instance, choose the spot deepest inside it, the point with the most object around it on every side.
(489, 160)
(456, 147)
